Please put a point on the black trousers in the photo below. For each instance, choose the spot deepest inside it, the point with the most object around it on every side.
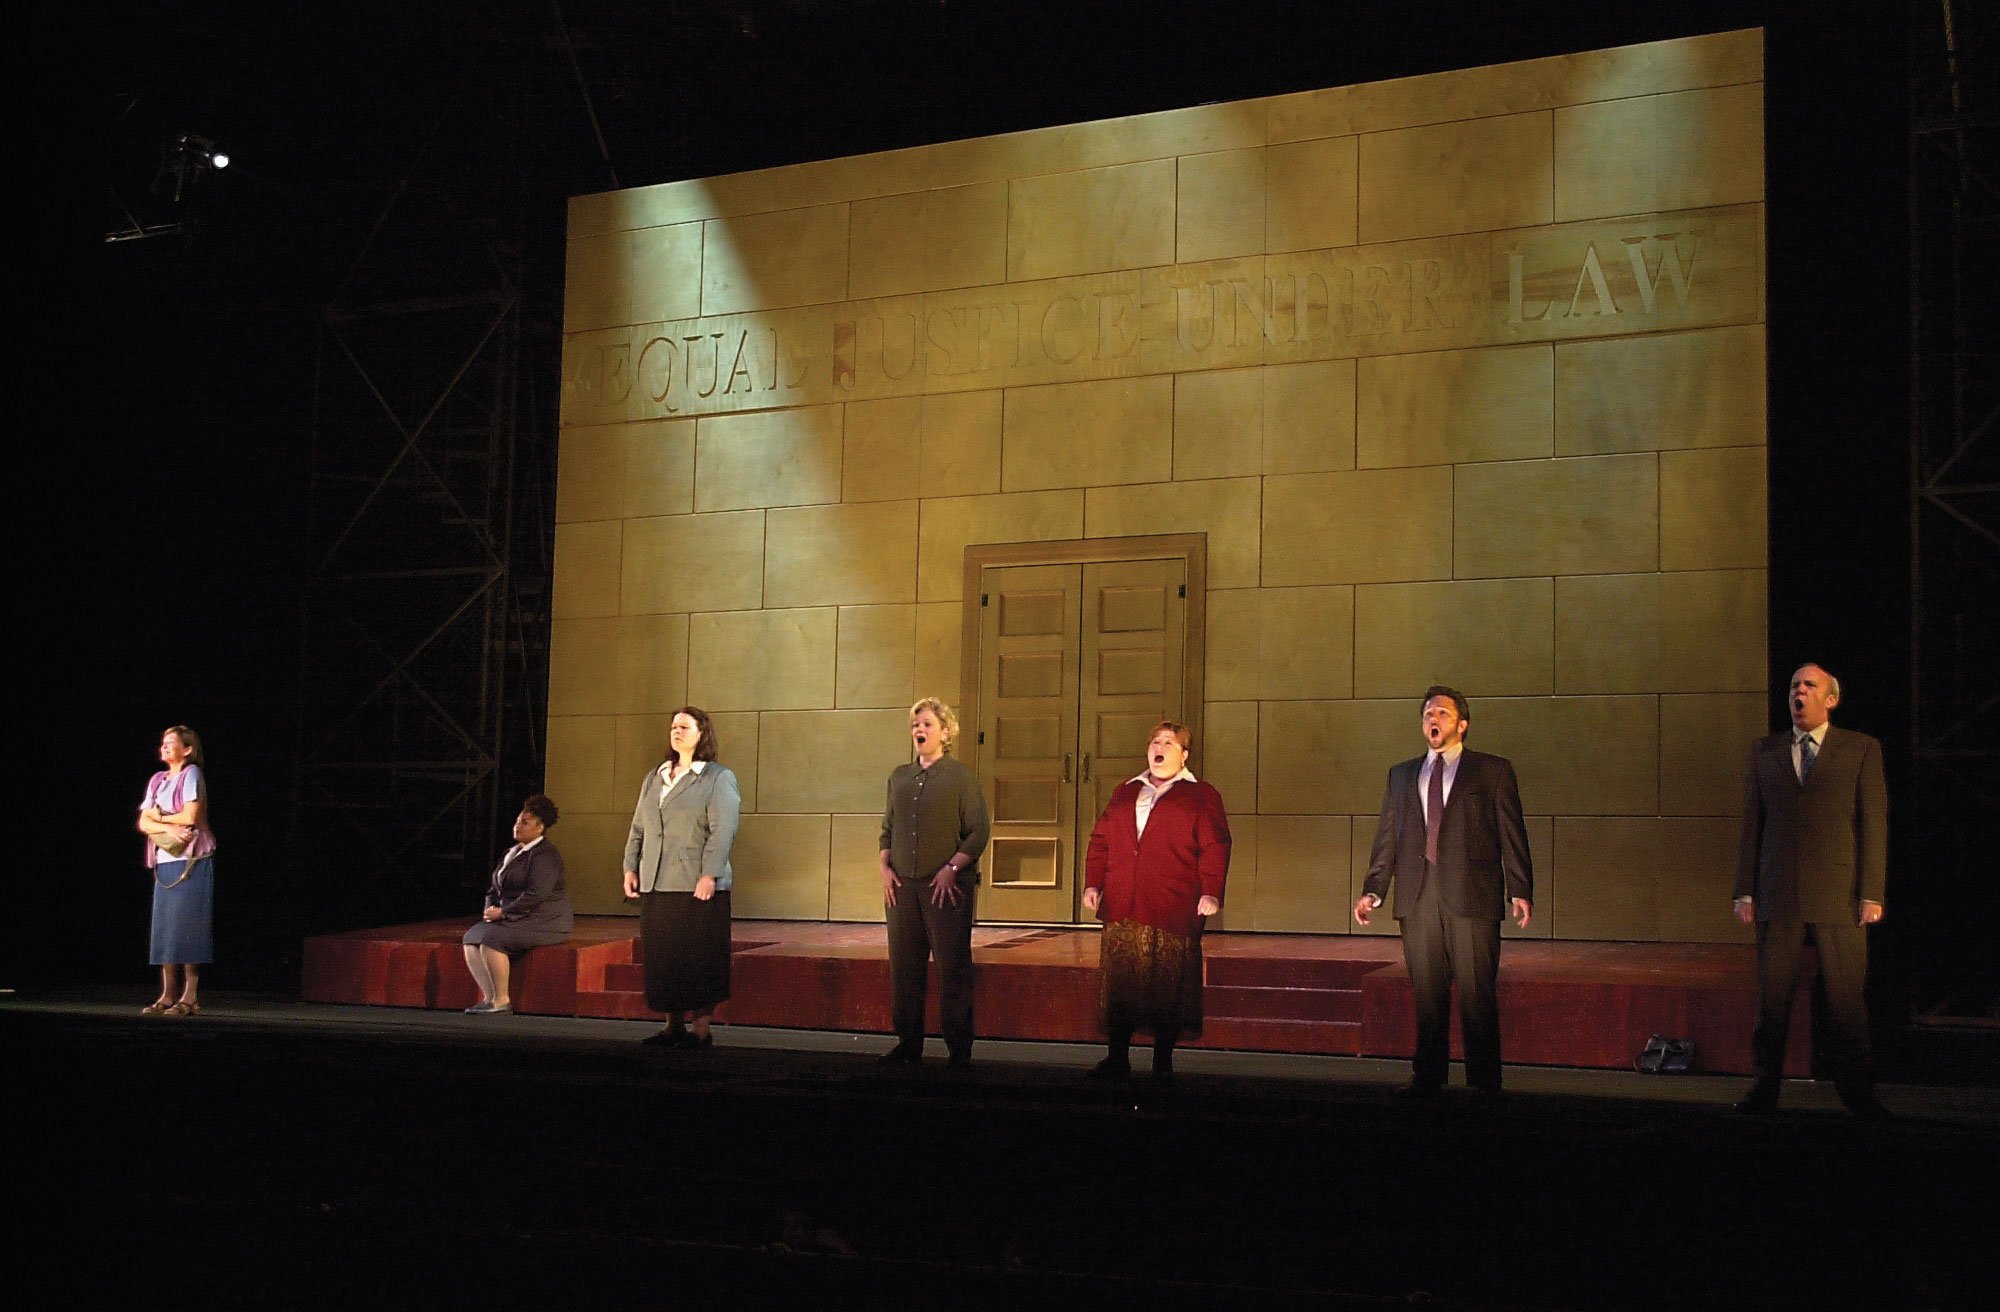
(919, 930)
(1440, 949)
(1842, 988)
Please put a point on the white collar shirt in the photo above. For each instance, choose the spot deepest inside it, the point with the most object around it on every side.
(1798, 743)
(670, 781)
(1151, 792)
(1450, 758)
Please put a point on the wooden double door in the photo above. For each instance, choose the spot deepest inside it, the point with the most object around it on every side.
(1076, 664)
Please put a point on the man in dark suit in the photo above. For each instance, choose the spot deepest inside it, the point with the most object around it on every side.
(1814, 854)
(1452, 838)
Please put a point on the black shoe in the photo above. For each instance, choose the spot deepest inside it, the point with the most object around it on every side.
(1762, 1099)
(1112, 1068)
(958, 1061)
(903, 1054)
(699, 1040)
(1419, 1091)
(1490, 1095)
(665, 1039)
(1866, 1106)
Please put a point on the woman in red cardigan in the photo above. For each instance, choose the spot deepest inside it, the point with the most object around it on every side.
(1154, 874)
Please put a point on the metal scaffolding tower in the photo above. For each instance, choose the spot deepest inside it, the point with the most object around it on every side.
(425, 633)
(1955, 495)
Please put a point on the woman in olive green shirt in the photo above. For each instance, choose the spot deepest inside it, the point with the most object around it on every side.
(933, 830)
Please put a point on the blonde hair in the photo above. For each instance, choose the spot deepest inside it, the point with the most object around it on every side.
(947, 720)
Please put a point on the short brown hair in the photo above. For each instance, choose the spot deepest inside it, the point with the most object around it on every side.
(190, 740)
(1182, 734)
(1458, 701)
(705, 746)
(540, 806)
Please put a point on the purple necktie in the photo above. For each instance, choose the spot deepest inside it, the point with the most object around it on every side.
(1434, 812)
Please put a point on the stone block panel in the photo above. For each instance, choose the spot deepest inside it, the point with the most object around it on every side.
(856, 554)
(626, 471)
(585, 579)
(1590, 515)
(875, 656)
(1218, 423)
(693, 562)
(780, 863)
(1302, 871)
(1705, 748)
(1695, 631)
(1309, 417)
(1226, 755)
(950, 524)
(1219, 205)
(593, 848)
(579, 771)
(1713, 509)
(1472, 175)
(854, 882)
(1648, 879)
(880, 442)
(1667, 391)
(1310, 194)
(1443, 407)
(1091, 221)
(1331, 757)
(646, 275)
(929, 240)
(624, 665)
(1088, 434)
(1366, 526)
(1225, 509)
(768, 458)
(1490, 637)
(831, 761)
(762, 660)
(1576, 755)
(772, 260)
(1649, 154)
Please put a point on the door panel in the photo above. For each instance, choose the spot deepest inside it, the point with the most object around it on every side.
(1136, 624)
(1030, 617)
(1077, 663)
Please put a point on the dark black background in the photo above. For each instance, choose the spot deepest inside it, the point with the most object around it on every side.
(167, 486)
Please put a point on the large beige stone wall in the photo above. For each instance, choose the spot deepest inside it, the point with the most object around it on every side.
(1462, 375)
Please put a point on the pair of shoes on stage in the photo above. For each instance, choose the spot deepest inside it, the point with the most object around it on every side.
(489, 1009)
(904, 1054)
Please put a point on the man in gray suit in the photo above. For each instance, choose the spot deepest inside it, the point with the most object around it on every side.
(1814, 855)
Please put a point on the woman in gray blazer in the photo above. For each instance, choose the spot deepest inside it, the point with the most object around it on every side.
(677, 866)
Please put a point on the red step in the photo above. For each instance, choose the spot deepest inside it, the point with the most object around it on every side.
(1254, 1002)
(1286, 973)
(1340, 1038)
(625, 977)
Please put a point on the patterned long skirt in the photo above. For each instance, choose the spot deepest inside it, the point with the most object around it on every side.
(1151, 979)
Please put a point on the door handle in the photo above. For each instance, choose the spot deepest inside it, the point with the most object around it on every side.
(1086, 767)
(1066, 762)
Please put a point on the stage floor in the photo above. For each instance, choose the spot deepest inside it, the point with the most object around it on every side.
(1562, 1004)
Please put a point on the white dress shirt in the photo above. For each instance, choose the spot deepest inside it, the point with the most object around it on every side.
(668, 784)
(1450, 758)
(1819, 745)
(1151, 792)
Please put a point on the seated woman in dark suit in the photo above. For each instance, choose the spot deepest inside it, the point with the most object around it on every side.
(1154, 874)
(527, 906)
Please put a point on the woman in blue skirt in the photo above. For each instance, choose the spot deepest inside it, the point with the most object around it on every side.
(180, 851)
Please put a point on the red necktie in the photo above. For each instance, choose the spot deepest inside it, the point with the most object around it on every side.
(1434, 812)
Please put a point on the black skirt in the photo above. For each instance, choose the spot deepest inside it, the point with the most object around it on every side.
(684, 945)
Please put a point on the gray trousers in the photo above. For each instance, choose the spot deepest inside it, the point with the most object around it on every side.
(1440, 949)
(1843, 981)
(918, 930)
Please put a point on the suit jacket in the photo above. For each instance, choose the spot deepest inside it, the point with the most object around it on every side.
(1811, 851)
(674, 845)
(1158, 878)
(1482, 844)
(532, 890)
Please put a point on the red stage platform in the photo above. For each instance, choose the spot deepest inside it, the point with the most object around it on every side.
(1561, 1004)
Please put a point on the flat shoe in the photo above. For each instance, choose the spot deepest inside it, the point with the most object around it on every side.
(665, 1039)
(156, 1009)
(901, 1055)
(479, 1009)
(184, 1009)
